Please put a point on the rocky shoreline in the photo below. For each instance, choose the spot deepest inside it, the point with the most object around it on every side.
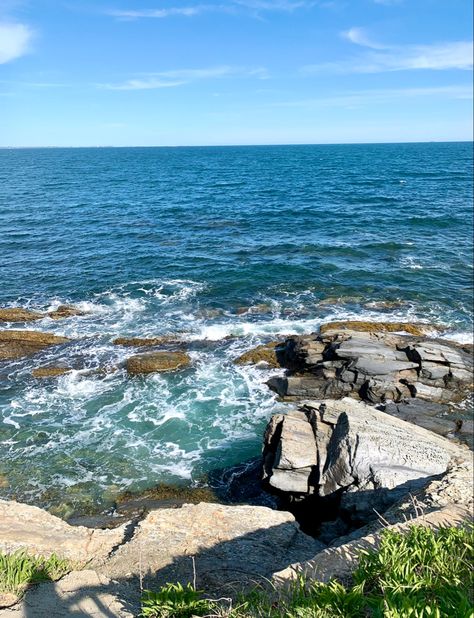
(371, 435)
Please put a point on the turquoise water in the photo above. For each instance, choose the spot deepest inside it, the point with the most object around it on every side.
(206, 243)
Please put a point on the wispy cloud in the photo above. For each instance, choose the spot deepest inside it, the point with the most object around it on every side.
(180, 77)
(15, 40)
(380, 57)
(255, 6)
(360, 98)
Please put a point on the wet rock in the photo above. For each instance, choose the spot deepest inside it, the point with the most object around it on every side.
(17, 314)
(373, 366)
(65, 311)
(377, 327)
(18, 343)
(139, 342)
(50, 372)
(157, 362)
(267, 354)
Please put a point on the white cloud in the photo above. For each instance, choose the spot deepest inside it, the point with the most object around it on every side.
(383, 58)
(180, 77)
(233, 6)
(15, 40)
(360, 98)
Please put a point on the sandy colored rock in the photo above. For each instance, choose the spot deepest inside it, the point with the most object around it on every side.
(65, 311)
(25, 527)
(145, 342)
(17, 314)
(417, 330)
(266, 353)
(49, 372)
(232, 546)
(157, 362)
(18, 343)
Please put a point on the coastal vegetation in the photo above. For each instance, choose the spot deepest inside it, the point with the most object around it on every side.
(424, 573)
(20, 570)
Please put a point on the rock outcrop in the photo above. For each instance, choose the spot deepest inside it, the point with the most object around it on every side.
(18, 343)
(373, 366)
(49, 372)
(223, 548)
(345, 448)
(17, 314)
(417, 329)
(65, 311)
(157, 362)
(139, 342)
(267, 355)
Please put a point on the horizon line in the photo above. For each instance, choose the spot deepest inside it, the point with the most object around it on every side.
(256, 145)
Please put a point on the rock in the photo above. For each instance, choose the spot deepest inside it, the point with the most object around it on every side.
(49, 372)
(17, 314)
(377, 327)
(65, 311)
(347, 446)
(339, 562)
(24, 527)
(80, 593)
(157, 362)
(17, 343)
(145, 342)
(232, 546)
(267, 354)
(373, 366)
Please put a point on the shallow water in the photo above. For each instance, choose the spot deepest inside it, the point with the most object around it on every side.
(206, 243)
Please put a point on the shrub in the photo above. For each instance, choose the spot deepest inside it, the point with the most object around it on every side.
(18, 570)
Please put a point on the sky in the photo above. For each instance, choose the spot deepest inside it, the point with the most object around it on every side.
(220, 72)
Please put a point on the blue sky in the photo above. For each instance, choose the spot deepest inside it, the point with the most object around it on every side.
(197, 72)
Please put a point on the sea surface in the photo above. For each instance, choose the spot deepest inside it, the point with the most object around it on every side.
(225, 248)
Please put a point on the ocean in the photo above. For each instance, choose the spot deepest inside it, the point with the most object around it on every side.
(225, 248)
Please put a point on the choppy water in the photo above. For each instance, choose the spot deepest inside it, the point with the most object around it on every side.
(206, 243)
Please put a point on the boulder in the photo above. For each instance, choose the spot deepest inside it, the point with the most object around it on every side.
(18, 343)
(266, 354)
(345, 446)
(49, 372)
(65, 311)
(157, 362)
(17, 314)
(139, 342)
(378, 327)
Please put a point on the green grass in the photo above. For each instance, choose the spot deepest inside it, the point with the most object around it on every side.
(420, 574)
(19, 570)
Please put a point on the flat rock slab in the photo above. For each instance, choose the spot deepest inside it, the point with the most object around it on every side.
(25, 527)
(232, 546)
(80, 593)
(18, 343)
(17, 314)
(157, 362)
(140, 342)
(374, 327)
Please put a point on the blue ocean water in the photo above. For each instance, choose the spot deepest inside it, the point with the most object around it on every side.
(205, 243)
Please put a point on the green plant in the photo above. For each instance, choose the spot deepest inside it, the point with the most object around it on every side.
(19, 569)
(175, 601)
(422, 573)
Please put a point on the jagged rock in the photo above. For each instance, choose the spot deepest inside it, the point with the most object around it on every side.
(139, 342)
(378, 327)
(18, 343)
(65, 311)
(345, 445)
(17, 314)
(157, 362)
(49, 372)
(267, 354)
(373, 366)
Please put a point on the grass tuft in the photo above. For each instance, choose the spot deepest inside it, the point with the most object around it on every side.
(19, 570)
(422, 573)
